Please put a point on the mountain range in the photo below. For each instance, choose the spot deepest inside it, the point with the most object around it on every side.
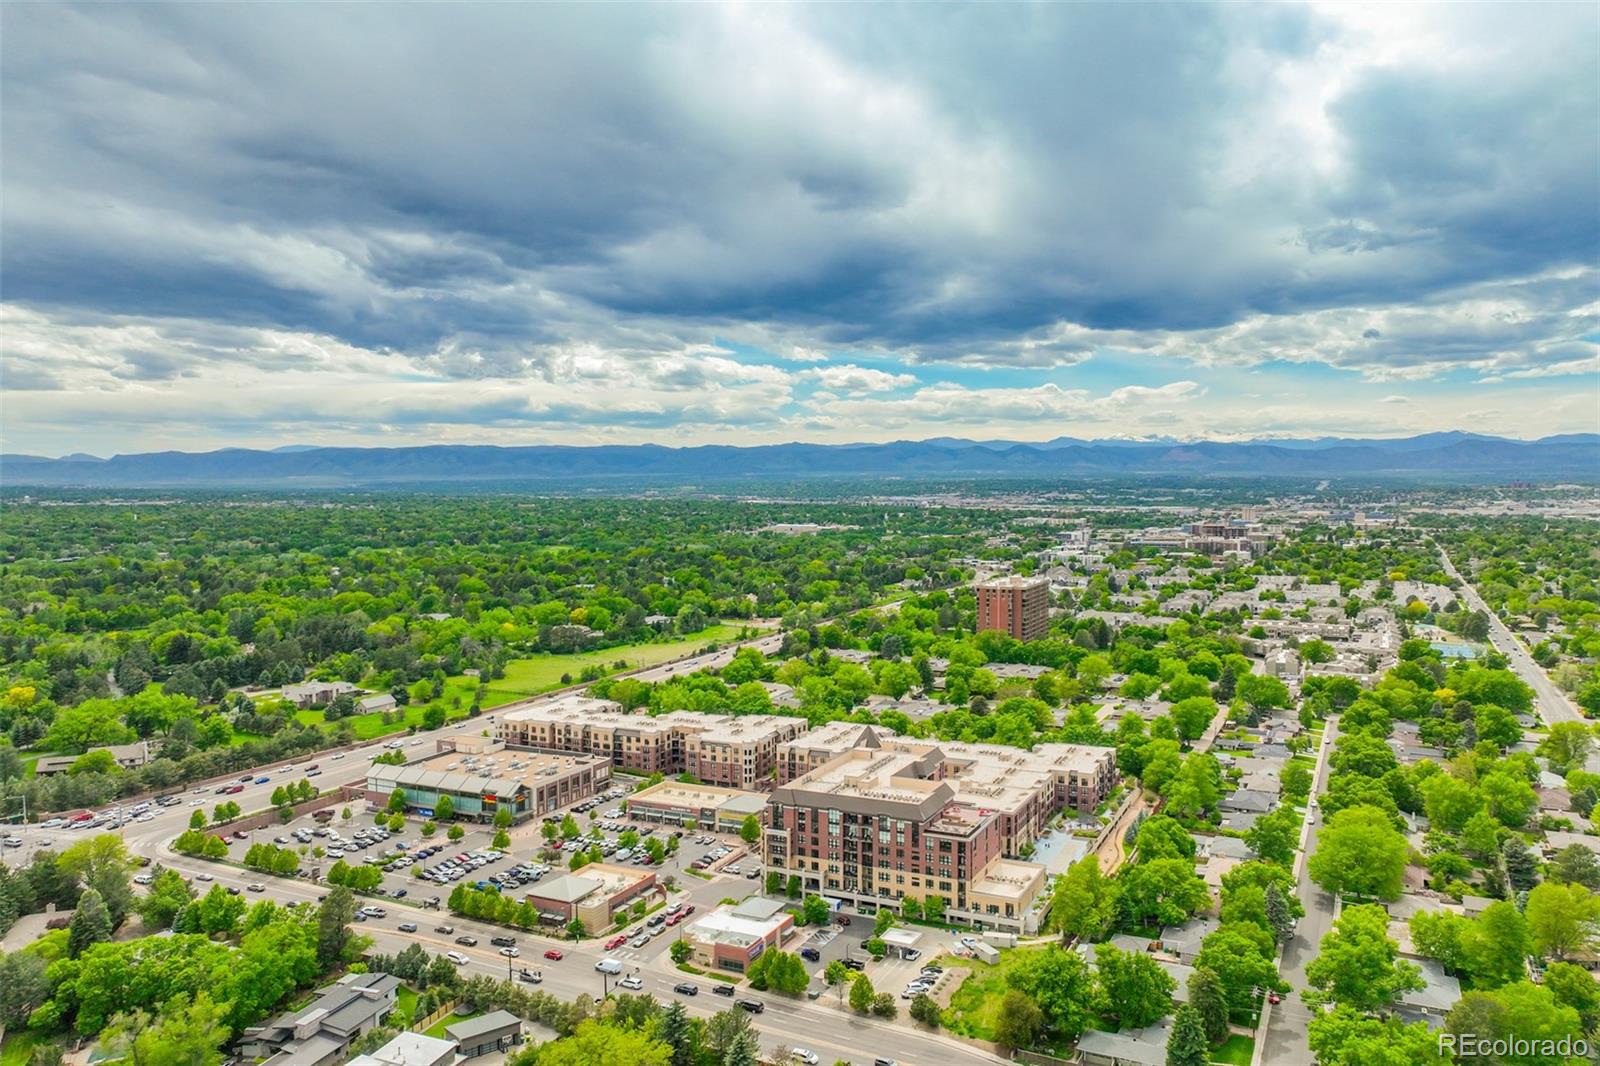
(1453, 455)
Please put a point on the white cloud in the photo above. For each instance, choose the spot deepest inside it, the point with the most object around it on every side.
(847, 377)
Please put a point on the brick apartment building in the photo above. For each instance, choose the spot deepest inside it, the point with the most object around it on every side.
(898, 817)
(1015, 605)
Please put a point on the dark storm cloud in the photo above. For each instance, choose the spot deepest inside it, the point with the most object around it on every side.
(482, 185)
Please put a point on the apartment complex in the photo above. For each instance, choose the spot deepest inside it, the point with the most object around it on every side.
(1015, 605)
(1232, 535)
(727, 750)
(907, 818)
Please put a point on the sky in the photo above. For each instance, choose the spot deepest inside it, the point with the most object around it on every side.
(263, 225)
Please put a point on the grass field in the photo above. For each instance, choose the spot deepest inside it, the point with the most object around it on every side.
(1235, 1051)
(975, 1004)
(19, 1045)
(541, 673)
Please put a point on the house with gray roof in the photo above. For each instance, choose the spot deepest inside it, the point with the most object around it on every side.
(1132, 1047)
(1247, 800)
(320, 1033)
(486, 1034)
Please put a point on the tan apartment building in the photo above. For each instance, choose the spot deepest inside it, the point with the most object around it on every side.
(728, 750)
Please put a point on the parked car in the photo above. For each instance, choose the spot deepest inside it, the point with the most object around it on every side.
(811, 954)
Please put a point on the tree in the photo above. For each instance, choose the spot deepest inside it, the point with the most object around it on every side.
(1018, 1020)
(1358, 965)
(186, 1032)
(750, 829)
(1522, 869)
(1276, 835)
(1296, 780)
(91, 924)
(455, 832)
(169, 893)
(1497, 950)
(1360, 851)
(397, 801)
(925, 1010)
(814, 910)
(1575, 864)
(594, 1043)
(1210, 1001)
(445, 809)
(1161, 892)
(1280, 918)
(334, 916)
(502, 840)
(576, 929)
(1525, 1011)
(1136, 990)
(836, 975)
(23, 986)
(102, 863)
(1193, 716)
(1187, 1044)
(861, 994)
(1241, 956)
(197, 820)
(1567, 745)
(724, 1030)
(1083, 901)
(1061, 983)
(1346, 1037)
(1563, 919)
(1161, 837)
(681, 951)
(1574, 987)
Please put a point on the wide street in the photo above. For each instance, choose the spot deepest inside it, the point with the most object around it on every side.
(1553, 704)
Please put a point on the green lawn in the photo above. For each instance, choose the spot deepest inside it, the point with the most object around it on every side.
(19, 1045)
(974, 1005)
(541, 673)
(1235, 1051)
(405, 1003)
(437, 1028)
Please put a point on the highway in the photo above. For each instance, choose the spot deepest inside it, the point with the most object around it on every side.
(1553, 704)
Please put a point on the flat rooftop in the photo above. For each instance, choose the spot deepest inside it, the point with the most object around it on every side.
(502, 771)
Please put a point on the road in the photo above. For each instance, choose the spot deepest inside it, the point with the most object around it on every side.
(1285, 1039)
(1553, 704)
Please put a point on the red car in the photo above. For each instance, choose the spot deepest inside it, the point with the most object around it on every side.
(842, 919)
(687, 910)
(616, 942)
(675, 919)
(553, 955)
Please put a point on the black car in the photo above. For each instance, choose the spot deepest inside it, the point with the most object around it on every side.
(503, 941)
(445, 929)
(467, 941)
(723, 990)
(754, 1006)
(811, 954)
(684, 988)
(854, 964)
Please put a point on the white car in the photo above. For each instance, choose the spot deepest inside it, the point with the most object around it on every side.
(204, 877)
(805, 1055)
(339, 756)
(511, 953)
(456, 957)
(13, 842)
(633, 981)
(256, 886)
(143, 879)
